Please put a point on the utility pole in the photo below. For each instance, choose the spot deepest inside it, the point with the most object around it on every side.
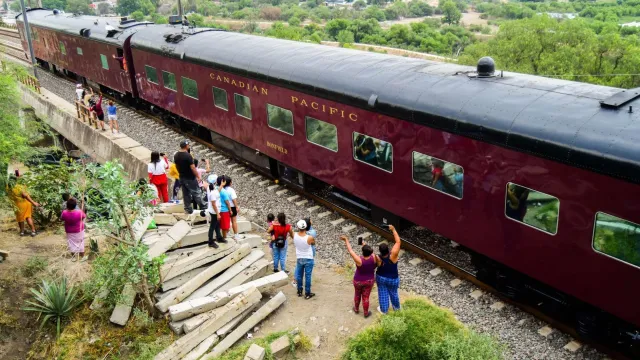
(180, 9)
(27, 32)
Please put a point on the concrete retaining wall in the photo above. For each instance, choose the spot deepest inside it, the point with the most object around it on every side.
(102, 145)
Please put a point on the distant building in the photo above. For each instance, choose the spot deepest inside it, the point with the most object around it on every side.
(561, 15)
(634, 24)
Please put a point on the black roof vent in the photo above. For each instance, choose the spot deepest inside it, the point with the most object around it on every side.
(173, 38)
(56, 11)
(85, 32)
(127, 21)
(486, 67)
(123, 19)
(616, 100)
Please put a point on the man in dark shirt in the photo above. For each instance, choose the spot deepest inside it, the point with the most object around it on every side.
(189, 179)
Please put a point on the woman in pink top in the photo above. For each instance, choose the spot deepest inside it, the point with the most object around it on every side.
(364, 278)
(74, 227)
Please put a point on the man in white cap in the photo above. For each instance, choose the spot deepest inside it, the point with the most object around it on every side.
(79, 92)
(304, 259)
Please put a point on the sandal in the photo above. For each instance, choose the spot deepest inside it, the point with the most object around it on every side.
(309, 296)
(33, 234)
(22, 233)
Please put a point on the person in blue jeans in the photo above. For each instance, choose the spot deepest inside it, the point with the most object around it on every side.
(280, 229)
(304, 259)
(311, 231)
(387, 277)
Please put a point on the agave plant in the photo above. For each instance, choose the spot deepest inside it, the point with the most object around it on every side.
(54, 300)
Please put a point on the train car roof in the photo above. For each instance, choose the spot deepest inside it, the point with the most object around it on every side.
(555, 119)
(73, 24)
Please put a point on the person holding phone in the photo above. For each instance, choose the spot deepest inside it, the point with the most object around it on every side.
(387, 277)
(364, 278)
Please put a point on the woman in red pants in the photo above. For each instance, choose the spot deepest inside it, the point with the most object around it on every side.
(364, 278)
(157, 169)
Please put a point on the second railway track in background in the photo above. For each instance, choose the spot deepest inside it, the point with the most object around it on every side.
(411, 244)
(224, 160)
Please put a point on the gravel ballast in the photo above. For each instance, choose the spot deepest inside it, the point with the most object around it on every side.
(517, 330)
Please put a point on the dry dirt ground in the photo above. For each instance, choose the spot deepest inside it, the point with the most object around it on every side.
(18, 329)
(327, 319)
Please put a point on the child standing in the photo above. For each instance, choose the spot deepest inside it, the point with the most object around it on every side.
(74, 227)
(113, 118)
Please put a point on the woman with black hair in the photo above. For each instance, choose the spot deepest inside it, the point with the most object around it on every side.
(387, 277)
(157, 170)
(364, 277)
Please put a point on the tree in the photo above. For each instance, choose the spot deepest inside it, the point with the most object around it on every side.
(374, 12)
(294, 21)
(15, 6)
(333, 27)
(137, 15)
(53, 4)
(103, 8)
(345, 37)
(420, 8)
(450, 12)
(271, 13)
(359, 5)
(78, 7)
(126, 7)
(391, 13)
(362, 28)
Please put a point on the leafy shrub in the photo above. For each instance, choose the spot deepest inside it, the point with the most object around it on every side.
(420, 331)
(55, 301)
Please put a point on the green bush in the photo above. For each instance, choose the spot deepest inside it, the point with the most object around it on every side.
(54, 301)
(420, 331)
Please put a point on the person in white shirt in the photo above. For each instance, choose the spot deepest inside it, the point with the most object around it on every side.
(79, 92)
(304, 258)
(157, 170)
(234, 207)
(213, 208)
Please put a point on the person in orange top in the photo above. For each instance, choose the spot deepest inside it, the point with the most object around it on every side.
(23, 203)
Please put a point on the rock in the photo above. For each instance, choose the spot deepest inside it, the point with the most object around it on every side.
(280, 346)
(316, 342)
(255, 352)
(165, 219)
(122, 311)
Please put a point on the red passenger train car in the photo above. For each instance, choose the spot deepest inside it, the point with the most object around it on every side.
(538, 177)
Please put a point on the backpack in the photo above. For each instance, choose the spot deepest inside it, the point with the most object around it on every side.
(280, 242)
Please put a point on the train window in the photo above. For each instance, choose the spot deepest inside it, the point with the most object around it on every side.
(617, 238)
(280, 119)
(169, 80)
(63, 49)
(322, 133)
(220, 98)
(373, 151)
(79, 51)
(438, 174)
(152, 74)
(190, 87)
(532, 208)
(243, 105)
(105, 63)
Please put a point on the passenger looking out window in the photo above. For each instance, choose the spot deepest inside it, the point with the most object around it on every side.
(373, 151)
(438, 174)
(517, 202)
(532, 208)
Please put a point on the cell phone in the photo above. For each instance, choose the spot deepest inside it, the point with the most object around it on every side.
(360, 240)
(385, 226)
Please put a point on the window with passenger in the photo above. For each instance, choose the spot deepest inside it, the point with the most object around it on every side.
(438, 174)
(617, 238)
(243, 106)
(280, 119)
(532, 208)
(372, 151)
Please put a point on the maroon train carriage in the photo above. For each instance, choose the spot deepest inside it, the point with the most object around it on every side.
(538, 177)
(86, 46)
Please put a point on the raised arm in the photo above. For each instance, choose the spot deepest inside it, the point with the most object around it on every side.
(355, 257)
(208, 165)
(395, 250)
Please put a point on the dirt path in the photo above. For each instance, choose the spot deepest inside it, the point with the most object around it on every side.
(20, 272)
(327, 317)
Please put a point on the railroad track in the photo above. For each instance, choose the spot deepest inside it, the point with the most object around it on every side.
(409, 244)
(10, 45)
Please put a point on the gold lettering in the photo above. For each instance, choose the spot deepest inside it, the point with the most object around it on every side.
(255, 88)
(314, 107)
(226, 79)
(353, 117)
(304, 102)
(264, 91)
(294, 99)
(233, 82)
(342, 114)
(212, 76)
(332, 110)
(323, 109)
(241, 84)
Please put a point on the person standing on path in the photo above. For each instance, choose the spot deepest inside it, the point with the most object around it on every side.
(214, 205)
(387, 277)
(201, 183)
(73, 219)
(281, 230)
(189, 179)
(23, 203)
(364, 278)
(304, 259)
(234, 208)
(97, 108)
(157, 170)
(113, 117)
(225, 207)
(79, 92)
